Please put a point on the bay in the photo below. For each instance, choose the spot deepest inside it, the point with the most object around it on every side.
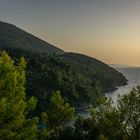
(132, 74)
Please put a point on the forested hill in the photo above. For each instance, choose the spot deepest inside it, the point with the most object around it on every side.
(12, 36)
(96, 70)
(79, 78)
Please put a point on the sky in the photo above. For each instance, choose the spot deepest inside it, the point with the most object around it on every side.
(108, 30)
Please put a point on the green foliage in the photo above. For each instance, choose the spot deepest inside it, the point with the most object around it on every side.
(59, 112)
(80, 79)
(67, 133)
(109, 122)
(59, 115)
(13, 105)
(44, 118)
(129, 111)
(107, 119)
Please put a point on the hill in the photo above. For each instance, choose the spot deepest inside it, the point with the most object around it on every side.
(12, 36)
(81, 79)
(96, 70)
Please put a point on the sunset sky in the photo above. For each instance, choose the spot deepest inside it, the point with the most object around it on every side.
(106, 29)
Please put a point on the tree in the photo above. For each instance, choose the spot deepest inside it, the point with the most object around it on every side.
(118, 122)
(59, 112)
(129, 111)
(14, 107)
(106, 120)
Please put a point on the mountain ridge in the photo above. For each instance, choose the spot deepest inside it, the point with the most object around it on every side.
(24, 40)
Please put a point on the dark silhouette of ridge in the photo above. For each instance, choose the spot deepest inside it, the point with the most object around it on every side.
(12, 36)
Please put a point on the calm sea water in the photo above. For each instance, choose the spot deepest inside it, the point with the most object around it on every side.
(133, 76)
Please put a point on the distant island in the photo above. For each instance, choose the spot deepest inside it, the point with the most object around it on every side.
(125, 66)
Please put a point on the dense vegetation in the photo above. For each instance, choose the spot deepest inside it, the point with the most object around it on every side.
(79, 82)
(13, 106)
(80, 79)
(16, 121)
(106, 122)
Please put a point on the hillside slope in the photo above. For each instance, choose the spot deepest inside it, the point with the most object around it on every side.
(96, 70)
(11, 36)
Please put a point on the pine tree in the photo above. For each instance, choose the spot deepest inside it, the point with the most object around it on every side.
(129, 111)
(59, 112)
(14, 108)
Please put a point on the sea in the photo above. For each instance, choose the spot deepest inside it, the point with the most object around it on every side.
(132, 74)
